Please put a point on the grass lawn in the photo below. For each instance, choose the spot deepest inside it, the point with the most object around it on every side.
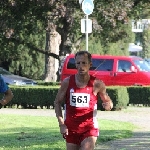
(20, 132)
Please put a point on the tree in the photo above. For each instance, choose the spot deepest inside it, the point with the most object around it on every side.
(24, 23)
(146, 42)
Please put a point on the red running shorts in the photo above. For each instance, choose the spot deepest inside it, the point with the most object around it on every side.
(77, 138)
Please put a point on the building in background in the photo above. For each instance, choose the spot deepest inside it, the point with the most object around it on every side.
(138, 26)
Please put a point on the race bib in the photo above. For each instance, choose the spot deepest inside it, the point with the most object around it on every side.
(79, 99)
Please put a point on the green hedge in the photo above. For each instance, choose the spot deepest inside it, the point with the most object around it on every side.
(31, 97)
(119, 96)
(48, 83)
(44, 96)
(139, 95)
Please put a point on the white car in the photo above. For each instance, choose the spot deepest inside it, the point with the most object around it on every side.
(12, 79)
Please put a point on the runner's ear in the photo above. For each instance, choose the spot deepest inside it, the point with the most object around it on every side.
(90, 64)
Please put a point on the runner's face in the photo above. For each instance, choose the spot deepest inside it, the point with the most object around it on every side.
(82, 64)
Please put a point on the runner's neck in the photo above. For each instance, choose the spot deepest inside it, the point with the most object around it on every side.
(82, 81)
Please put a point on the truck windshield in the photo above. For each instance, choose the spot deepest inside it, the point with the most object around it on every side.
(142, 65)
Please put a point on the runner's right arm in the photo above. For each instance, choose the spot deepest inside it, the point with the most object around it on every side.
(60, 97)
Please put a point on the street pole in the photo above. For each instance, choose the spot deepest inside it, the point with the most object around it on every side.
(87, 7)
(86, 32)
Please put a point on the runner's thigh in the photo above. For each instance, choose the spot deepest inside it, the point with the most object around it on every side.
(88, 143)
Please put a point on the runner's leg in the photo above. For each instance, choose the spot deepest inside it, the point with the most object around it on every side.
(71, 146)
(88, 143)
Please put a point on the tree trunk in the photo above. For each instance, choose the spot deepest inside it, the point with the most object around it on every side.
(53, 40)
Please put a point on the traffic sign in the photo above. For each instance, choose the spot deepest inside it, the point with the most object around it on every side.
(87, 6)
(83, 26)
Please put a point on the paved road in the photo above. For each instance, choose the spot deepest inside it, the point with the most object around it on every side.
(141, 137)
(139, 116)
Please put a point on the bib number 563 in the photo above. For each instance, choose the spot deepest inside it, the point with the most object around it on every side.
(79, 99)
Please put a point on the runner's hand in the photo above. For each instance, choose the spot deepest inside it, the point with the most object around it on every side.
(63, 130)
(107, 105)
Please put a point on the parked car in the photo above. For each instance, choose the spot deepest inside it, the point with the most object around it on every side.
(113, 70)
(12, 79)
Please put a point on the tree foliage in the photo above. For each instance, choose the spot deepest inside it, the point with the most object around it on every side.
(24, 23)
(146, 43)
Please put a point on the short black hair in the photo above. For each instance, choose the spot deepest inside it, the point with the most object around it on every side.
(84, 53)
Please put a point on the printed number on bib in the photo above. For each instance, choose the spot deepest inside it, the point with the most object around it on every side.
(79, 99)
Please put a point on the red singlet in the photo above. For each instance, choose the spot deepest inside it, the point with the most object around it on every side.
(80, 107)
